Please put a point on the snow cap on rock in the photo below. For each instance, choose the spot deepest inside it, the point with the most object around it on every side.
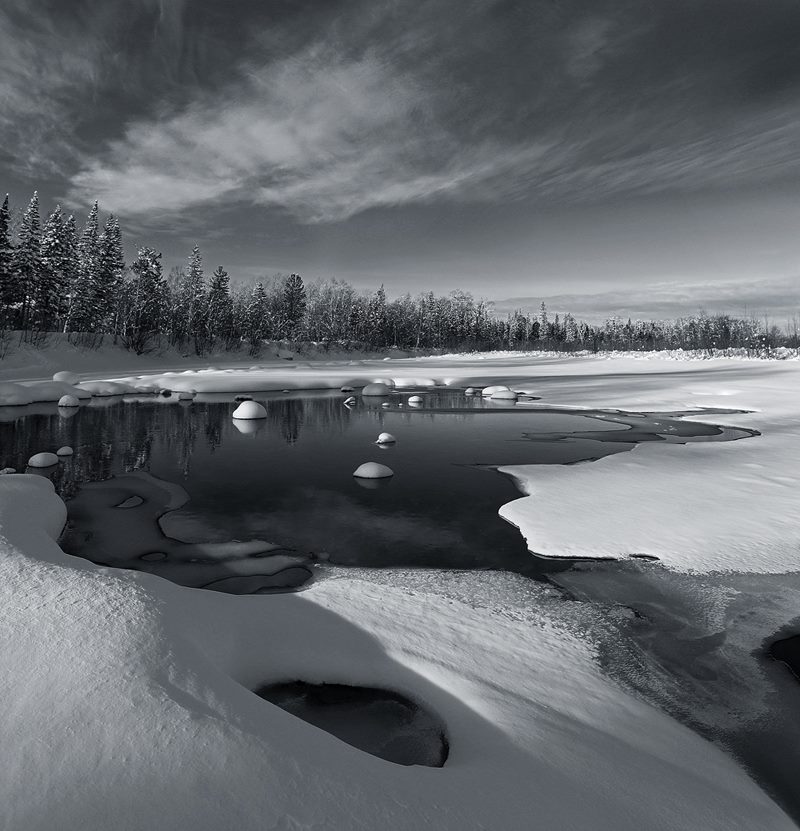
(373, 470)
(43, 460)
(504, 395)
(487, 391)
(250, 409)
(386, 438)
(376, 389)
(68, 401)
(66, 450)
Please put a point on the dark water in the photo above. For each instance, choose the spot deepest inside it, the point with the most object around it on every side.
(383, 723)
(288, 479)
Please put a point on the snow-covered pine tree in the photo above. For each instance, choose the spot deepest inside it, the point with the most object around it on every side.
(51, 287)
(258, 323)
(219, 319)
(110, 272)
(144, 301)
(27, 265)
(84, 313)
(544, 328)
(7, 277)
(69, 266)
(292, 305)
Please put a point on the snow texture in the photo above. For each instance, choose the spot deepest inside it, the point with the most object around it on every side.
(128, 705)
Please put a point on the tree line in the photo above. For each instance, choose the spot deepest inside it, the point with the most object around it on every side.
(54, 277)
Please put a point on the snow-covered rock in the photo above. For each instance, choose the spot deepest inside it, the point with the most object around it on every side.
(250, 409)
(7, 470)
(346, 389)
(415, 399)
(66, 450)
(503, 395)
(373, 470)
(68, 401)
(376, 389)
(386, 438)
(43, 460)
(469, 391)
(67, 377)
(489, 391)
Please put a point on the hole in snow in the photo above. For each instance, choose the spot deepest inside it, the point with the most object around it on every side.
(383, 723)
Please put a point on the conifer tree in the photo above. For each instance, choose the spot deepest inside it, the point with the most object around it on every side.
(219, 318)
(110, 271)
(51, 286)
(258, 323)
(7, 277)
(27, 264)
(543, 324)
(84, 314)
(292, 305)
(144, 301)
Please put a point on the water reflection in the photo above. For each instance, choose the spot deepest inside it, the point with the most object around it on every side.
(288, 478)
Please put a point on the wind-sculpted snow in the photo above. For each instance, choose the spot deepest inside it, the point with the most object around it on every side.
(127, 705)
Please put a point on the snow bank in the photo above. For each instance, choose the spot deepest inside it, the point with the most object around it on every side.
(107, 388)
(127, 704)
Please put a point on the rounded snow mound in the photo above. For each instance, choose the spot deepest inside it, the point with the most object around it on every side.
(373, 470)
(488, 391)
(250, 409)
(469, 391)
(415, 399)
(185, 396)
(14, 395)
(43, 460)
(67, 377)
(376, 389)
(66, 450)
(504, 395)
(7, 470)
(386, 438)
(68, 401)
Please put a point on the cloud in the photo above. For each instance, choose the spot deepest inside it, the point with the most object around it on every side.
(778, 299)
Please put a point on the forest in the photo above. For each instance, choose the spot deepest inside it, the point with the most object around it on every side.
(57, 278)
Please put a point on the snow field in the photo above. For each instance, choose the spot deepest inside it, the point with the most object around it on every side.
(128, 706)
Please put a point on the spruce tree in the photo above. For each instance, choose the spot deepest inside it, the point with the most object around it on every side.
(293, 305)
(27, 263)
(84, 313)
(219, 318)
(144, 301)
(7, 279)
(51, 287)
(110, 270)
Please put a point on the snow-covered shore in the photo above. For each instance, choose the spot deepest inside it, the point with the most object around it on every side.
(128, 698)
(127, 705)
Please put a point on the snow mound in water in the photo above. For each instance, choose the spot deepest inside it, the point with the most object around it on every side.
(469, 391)
(6, 470)
(68, 401)
(376, 389)
(503, 395)
(67, 377)
(415, 399)
(66, 450)
(373, 470)
(43, 460)
(185, 396)
(386, 438)
(487, 391)
(250, 409)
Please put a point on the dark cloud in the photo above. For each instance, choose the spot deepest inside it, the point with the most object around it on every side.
(170, 111)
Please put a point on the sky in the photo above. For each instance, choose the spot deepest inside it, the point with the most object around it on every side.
(639, 155)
